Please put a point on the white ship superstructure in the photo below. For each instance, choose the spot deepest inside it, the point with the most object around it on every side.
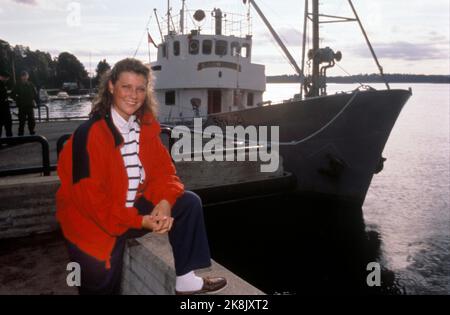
(199, 74)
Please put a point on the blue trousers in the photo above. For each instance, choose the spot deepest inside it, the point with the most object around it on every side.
(187, 238)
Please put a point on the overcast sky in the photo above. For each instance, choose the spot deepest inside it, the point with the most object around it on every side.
(409, 36)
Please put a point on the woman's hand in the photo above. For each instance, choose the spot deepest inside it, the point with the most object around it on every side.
(161, 217)
(149, 222)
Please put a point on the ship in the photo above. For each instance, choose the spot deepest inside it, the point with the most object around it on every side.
(331, 143)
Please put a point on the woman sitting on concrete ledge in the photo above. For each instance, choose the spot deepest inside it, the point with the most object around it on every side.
(118, 181)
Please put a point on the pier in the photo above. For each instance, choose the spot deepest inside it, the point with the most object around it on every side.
(33, 251)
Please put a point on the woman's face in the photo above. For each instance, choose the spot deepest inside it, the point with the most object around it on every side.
(129, 93)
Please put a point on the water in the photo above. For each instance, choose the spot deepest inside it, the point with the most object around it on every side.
(309, 245)
(69, 108)
(407, 205)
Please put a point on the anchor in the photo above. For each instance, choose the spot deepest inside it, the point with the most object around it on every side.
(335, 167)
(380, 165)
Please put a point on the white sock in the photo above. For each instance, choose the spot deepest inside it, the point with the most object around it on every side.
(188, 282)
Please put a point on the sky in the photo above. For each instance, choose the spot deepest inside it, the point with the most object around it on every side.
(409, 36)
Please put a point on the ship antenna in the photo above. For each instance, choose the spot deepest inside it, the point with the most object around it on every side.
(159, 26)
(173, 24)
(168, 17)
(182, 17)
(146, 32)
(249, 25)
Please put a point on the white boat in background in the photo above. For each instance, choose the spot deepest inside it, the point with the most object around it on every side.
(333, 144)
(60, 96)
(64, 96)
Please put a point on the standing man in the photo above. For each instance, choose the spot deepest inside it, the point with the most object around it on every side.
(26, 97)
(5, 113)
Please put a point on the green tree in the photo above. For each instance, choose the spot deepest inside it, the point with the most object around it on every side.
(40, 66)
(70, 69)
(6, 59)
(102, 67)
(19, 53)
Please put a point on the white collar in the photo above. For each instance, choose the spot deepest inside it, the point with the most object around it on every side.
(120, 123)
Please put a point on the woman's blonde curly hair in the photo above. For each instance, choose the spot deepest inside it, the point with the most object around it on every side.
(101, 106)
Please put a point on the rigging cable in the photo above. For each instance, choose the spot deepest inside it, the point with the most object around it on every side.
(350, 101)
(312, 135)
(346, 72)
(143, 34)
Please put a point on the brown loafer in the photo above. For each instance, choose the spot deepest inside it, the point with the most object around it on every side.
(210, 285)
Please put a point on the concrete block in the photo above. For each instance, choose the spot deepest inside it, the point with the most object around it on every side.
(149, 269)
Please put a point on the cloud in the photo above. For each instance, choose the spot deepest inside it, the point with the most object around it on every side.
(94, 53)
(47, 5)
(290, 36)
(272, 58)
(103, 52)
(436, 37)
(404, 51)
(28, 2)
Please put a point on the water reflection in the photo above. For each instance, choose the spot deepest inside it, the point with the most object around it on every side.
(298, 244)
(69, 108)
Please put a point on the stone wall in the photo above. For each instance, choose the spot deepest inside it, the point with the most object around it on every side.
(27, 206)
(149, 269)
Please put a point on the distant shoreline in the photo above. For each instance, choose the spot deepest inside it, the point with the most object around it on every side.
(369, 78)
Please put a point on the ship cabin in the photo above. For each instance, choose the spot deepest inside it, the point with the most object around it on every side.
(201, 74)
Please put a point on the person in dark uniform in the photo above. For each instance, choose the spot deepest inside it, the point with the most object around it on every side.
(26, 96)
(5, 113)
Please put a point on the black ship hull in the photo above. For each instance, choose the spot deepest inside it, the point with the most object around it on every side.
(332, 144)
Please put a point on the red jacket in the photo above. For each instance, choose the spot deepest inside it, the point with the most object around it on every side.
(91, 199)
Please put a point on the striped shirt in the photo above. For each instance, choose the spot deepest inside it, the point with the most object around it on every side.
(130, 131)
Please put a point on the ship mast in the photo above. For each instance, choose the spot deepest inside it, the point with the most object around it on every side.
(168, 17)
(315, 85)
(182, 17)
(305, 24)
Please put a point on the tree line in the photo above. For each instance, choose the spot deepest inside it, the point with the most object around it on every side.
(46, 71)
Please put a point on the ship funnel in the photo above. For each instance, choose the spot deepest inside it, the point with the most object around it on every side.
(217, 14)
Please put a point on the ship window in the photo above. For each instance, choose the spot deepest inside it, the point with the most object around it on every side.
(176, 48)
(235, 49)
(250, 99)
(193, 46)
(221, 47)
(164, 50)
(156, 68)
(170, 98)
(207, 47)
(245, 51)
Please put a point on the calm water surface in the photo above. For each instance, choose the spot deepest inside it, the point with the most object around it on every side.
(407, 205)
